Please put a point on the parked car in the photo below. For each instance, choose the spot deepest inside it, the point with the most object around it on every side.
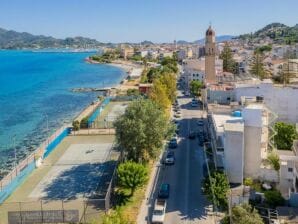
(170, 158)
(205, 170)
(194, 104)
(200, 123)
(164, 191)
(192, 135)
(173, 143)
(177, 115)
(159, 211)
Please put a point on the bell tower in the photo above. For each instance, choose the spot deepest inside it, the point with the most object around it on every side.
(210, 53)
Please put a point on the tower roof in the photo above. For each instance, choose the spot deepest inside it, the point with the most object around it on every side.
(210, 32)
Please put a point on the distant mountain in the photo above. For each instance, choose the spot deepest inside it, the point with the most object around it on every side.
(278, 32)
(10, 39)
(146, 42)
(219, 39)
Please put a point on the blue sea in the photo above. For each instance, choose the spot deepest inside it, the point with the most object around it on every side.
(36, 86)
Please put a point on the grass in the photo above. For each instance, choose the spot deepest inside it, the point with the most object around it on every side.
(130, 208)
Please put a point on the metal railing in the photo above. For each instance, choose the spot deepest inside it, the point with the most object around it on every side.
(37, 153)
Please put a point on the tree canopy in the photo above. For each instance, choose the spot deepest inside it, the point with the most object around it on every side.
(285, 135)
(132, 175)
(216, 188)
(140, 131)
(244, 214)
(257, 66)
(195, 87)
(158, 94)
(229, 64)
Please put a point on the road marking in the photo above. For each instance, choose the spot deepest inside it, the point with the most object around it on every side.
(187, 167)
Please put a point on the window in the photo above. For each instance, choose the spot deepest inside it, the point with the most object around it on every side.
(290, 169)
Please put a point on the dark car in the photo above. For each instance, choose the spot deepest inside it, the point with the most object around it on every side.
(192, 135)
(200, 123)
(205, 170)
(173, 143)
(164, 191)
(170, 158)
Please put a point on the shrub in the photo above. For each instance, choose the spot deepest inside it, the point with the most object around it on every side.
(274, 198)
(84, 123)
(248, 181)
(76, 125)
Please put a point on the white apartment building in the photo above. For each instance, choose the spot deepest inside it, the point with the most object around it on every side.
(240, 137)
(282, 100)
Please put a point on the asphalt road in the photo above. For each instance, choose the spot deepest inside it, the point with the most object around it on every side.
(186, 203)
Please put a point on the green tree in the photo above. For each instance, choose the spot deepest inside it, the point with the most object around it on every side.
(229, 64)
(243, 214)
(274, 161)
(140, 131)
(263, 49)
(216, 188)
(257, 66)
(158, 94)
(274, 198)
(169, 80)
(195, 87)
(132, 175)
(133, 92)
(84, 123)
(285, 135)
(76, 125)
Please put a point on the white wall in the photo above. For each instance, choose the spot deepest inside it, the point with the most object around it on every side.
(234, 155)
(282, 101)
(252, 154)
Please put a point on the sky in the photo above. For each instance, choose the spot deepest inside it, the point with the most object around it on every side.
(137, 20)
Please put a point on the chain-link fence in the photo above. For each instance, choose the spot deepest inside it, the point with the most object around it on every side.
(53, 211)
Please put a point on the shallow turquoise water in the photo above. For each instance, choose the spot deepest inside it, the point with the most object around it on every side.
(34, 85)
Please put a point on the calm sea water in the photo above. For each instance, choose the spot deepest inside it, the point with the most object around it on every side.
(36, 85)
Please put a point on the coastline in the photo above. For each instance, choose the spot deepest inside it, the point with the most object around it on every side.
(132, 70)
(7, 161)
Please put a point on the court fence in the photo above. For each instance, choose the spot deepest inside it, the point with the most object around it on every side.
(74, 210)
(52, 211)
(18, 175)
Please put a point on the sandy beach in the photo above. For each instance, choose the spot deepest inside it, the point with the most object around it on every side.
(133, 70)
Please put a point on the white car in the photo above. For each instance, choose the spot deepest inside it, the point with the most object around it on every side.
(159, 211)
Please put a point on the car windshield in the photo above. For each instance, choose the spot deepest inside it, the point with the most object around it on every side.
(158, 212)
(164, 187)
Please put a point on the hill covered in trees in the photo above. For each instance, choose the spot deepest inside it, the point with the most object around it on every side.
(278, 32)
(10, 39)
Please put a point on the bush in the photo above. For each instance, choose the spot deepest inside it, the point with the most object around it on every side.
(274, 198)
(216, 190)
(84, 123)
(248, 182)
(115, 217)
(76, 125)
(286, 133)
(132, 175)
(133, 92)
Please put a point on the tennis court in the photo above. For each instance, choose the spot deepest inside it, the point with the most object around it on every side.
(76, 174)
(109, 114)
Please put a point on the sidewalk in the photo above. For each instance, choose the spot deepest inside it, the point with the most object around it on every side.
(147, 202)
